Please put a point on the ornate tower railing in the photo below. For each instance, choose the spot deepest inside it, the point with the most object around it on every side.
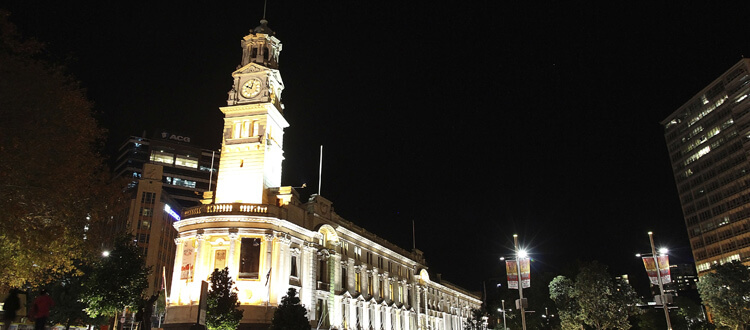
(231, 209)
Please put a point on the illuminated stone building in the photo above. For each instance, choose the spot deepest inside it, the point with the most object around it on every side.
(270, 240)
(708, 139)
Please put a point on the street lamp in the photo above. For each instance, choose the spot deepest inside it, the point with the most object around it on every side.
(520, 254)
(662, 296)
(503, 310)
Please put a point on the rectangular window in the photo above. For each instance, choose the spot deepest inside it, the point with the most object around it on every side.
(294, 266)
(148, 198)
(145, 224)
(369, 285)
(322, 271)
(358, 282)
(185, 160)
(344, 279)
(237, 130)
(159, 156)
(245, 129)
(147, 212)
(400, 293)
(381, 289)
(249, 258)
(183, 182)
(390, 290)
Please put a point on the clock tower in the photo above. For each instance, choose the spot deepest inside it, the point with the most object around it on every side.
(252, 147)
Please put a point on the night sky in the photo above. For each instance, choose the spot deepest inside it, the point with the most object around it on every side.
(473, 120)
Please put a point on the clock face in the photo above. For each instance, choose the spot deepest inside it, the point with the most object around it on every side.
(251, 88)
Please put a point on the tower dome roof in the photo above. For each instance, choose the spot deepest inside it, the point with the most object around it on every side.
(263, 28)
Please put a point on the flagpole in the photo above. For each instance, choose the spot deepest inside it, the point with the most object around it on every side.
(320, 169)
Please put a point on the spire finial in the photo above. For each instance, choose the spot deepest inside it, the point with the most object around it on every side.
(265, 2)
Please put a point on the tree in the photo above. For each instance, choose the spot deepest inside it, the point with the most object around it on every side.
(117, 281)
(223, 312)
(475, 321)
(726, 292)
(561, 292)
(67, 292)
(53, 185)
(290, 315)
(594, 299)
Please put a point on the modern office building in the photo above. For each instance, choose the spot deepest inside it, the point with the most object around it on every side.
(150, 220)
(189, 170)
(684, 278)
(271, 241)
(708, 139)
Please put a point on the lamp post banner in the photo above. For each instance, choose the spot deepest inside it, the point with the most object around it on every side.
(525, 272)
(512, 271)
(650, 265)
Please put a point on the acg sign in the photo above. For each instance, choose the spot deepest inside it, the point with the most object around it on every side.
(165, 135)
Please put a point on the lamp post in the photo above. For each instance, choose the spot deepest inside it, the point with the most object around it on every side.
(658, 277)
(519, 256)
(503, 303)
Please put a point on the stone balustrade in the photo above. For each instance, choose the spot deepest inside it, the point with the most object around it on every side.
(230, 209)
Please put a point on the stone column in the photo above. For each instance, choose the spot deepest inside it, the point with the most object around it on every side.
(177, 284)
(280, 273)
(231, 263)
(307, 278)
(265, 276)
(417, 304)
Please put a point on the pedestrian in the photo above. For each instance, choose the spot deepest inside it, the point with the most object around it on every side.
(40, 309)
(10, 308)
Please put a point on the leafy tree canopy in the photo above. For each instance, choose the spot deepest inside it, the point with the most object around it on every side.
(66, 292)
(290, 315)
(594, 299)
(117, 281)
(54, 189)
(726, 292)
(223, 305)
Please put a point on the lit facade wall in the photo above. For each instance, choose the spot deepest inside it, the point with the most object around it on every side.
(346, 277)
(152, 227)
(708, 139)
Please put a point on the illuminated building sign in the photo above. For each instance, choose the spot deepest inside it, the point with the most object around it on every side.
(171, 212)
(165, 135)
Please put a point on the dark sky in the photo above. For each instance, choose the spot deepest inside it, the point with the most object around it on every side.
(474, 120)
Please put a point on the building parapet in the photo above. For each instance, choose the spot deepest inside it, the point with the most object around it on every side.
(266, 210)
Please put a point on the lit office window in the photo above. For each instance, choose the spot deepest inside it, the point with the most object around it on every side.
(183, 182)
(162, 157)
(184, 160)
